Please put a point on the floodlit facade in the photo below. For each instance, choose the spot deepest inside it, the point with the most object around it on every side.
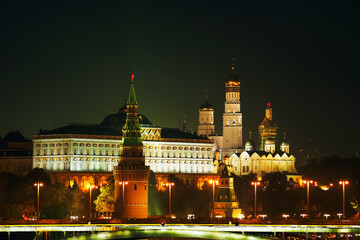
(267, 159)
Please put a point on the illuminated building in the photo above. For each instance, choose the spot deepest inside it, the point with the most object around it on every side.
(131, 175)
(267, 131)
(206, 120)
(87, 153)
(226, 203)
(231, 141)
(267, 159)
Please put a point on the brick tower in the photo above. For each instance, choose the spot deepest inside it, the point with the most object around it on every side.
(131, 175)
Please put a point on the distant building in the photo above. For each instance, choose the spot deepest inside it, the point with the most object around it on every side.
(15, 153)
(267, 159)
(231, 140)
(206, 120)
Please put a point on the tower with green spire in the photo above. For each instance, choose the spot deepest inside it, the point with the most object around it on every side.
(131, 175)
(132, 129)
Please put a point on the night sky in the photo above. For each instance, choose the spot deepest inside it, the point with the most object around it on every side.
(70, 62)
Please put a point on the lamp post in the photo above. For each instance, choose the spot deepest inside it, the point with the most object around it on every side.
(169, 184)
(308, 182)
(343, 183)
(255, 184)
(38, 185)
(213, 182)
(90, 189)
(123, 191)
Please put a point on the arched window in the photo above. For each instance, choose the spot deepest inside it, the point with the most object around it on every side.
(234, 122)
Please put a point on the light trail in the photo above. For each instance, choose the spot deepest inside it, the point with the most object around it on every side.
(183, 227)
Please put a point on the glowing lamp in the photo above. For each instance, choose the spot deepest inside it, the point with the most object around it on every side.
(268, 104)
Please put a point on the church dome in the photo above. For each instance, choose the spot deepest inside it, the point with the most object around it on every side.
(249, 145)
(284, 144)
(232, 80)
(269, 141)
(117, 120)
(206, 106)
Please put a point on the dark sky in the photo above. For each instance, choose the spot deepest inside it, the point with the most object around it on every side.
(71, 61)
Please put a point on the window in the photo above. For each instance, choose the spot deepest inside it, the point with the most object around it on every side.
(58, 167)
(145, 187)
(87, 166)
(45, 150)
(58, 151)
(51, 151)
(135, 187)
(75, 150)
(66, 151)
(227, 123)
(234, 122)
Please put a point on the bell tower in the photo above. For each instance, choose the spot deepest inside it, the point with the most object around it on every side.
(206, 125)
(131, 175)
(232, 117)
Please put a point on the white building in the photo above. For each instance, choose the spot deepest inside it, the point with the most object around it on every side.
(81, 147)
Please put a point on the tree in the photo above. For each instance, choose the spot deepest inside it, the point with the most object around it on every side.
(39, 175)
(355, 205)
(105, 201)
(74, 204)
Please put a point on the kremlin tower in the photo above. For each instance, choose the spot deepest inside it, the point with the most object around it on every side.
(131, 175)
(232, 117)
(206, 120)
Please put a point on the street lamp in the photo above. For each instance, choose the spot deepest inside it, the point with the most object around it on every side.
(169, 184)
(308, 182)
(255, 183)
(38, 185)
(123, 191)
(343, 183)
(90, 188)
(213, 182)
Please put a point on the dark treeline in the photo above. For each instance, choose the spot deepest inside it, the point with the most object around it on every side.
(18, 196)
(186, 199)
(277, 196)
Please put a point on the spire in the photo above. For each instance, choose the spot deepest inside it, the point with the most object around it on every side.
(250, 135)
(233, 65)
(284, 135)
(132, 129)
(206, 94)
(132, 95)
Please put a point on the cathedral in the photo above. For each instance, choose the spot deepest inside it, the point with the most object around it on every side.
(229, 149)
